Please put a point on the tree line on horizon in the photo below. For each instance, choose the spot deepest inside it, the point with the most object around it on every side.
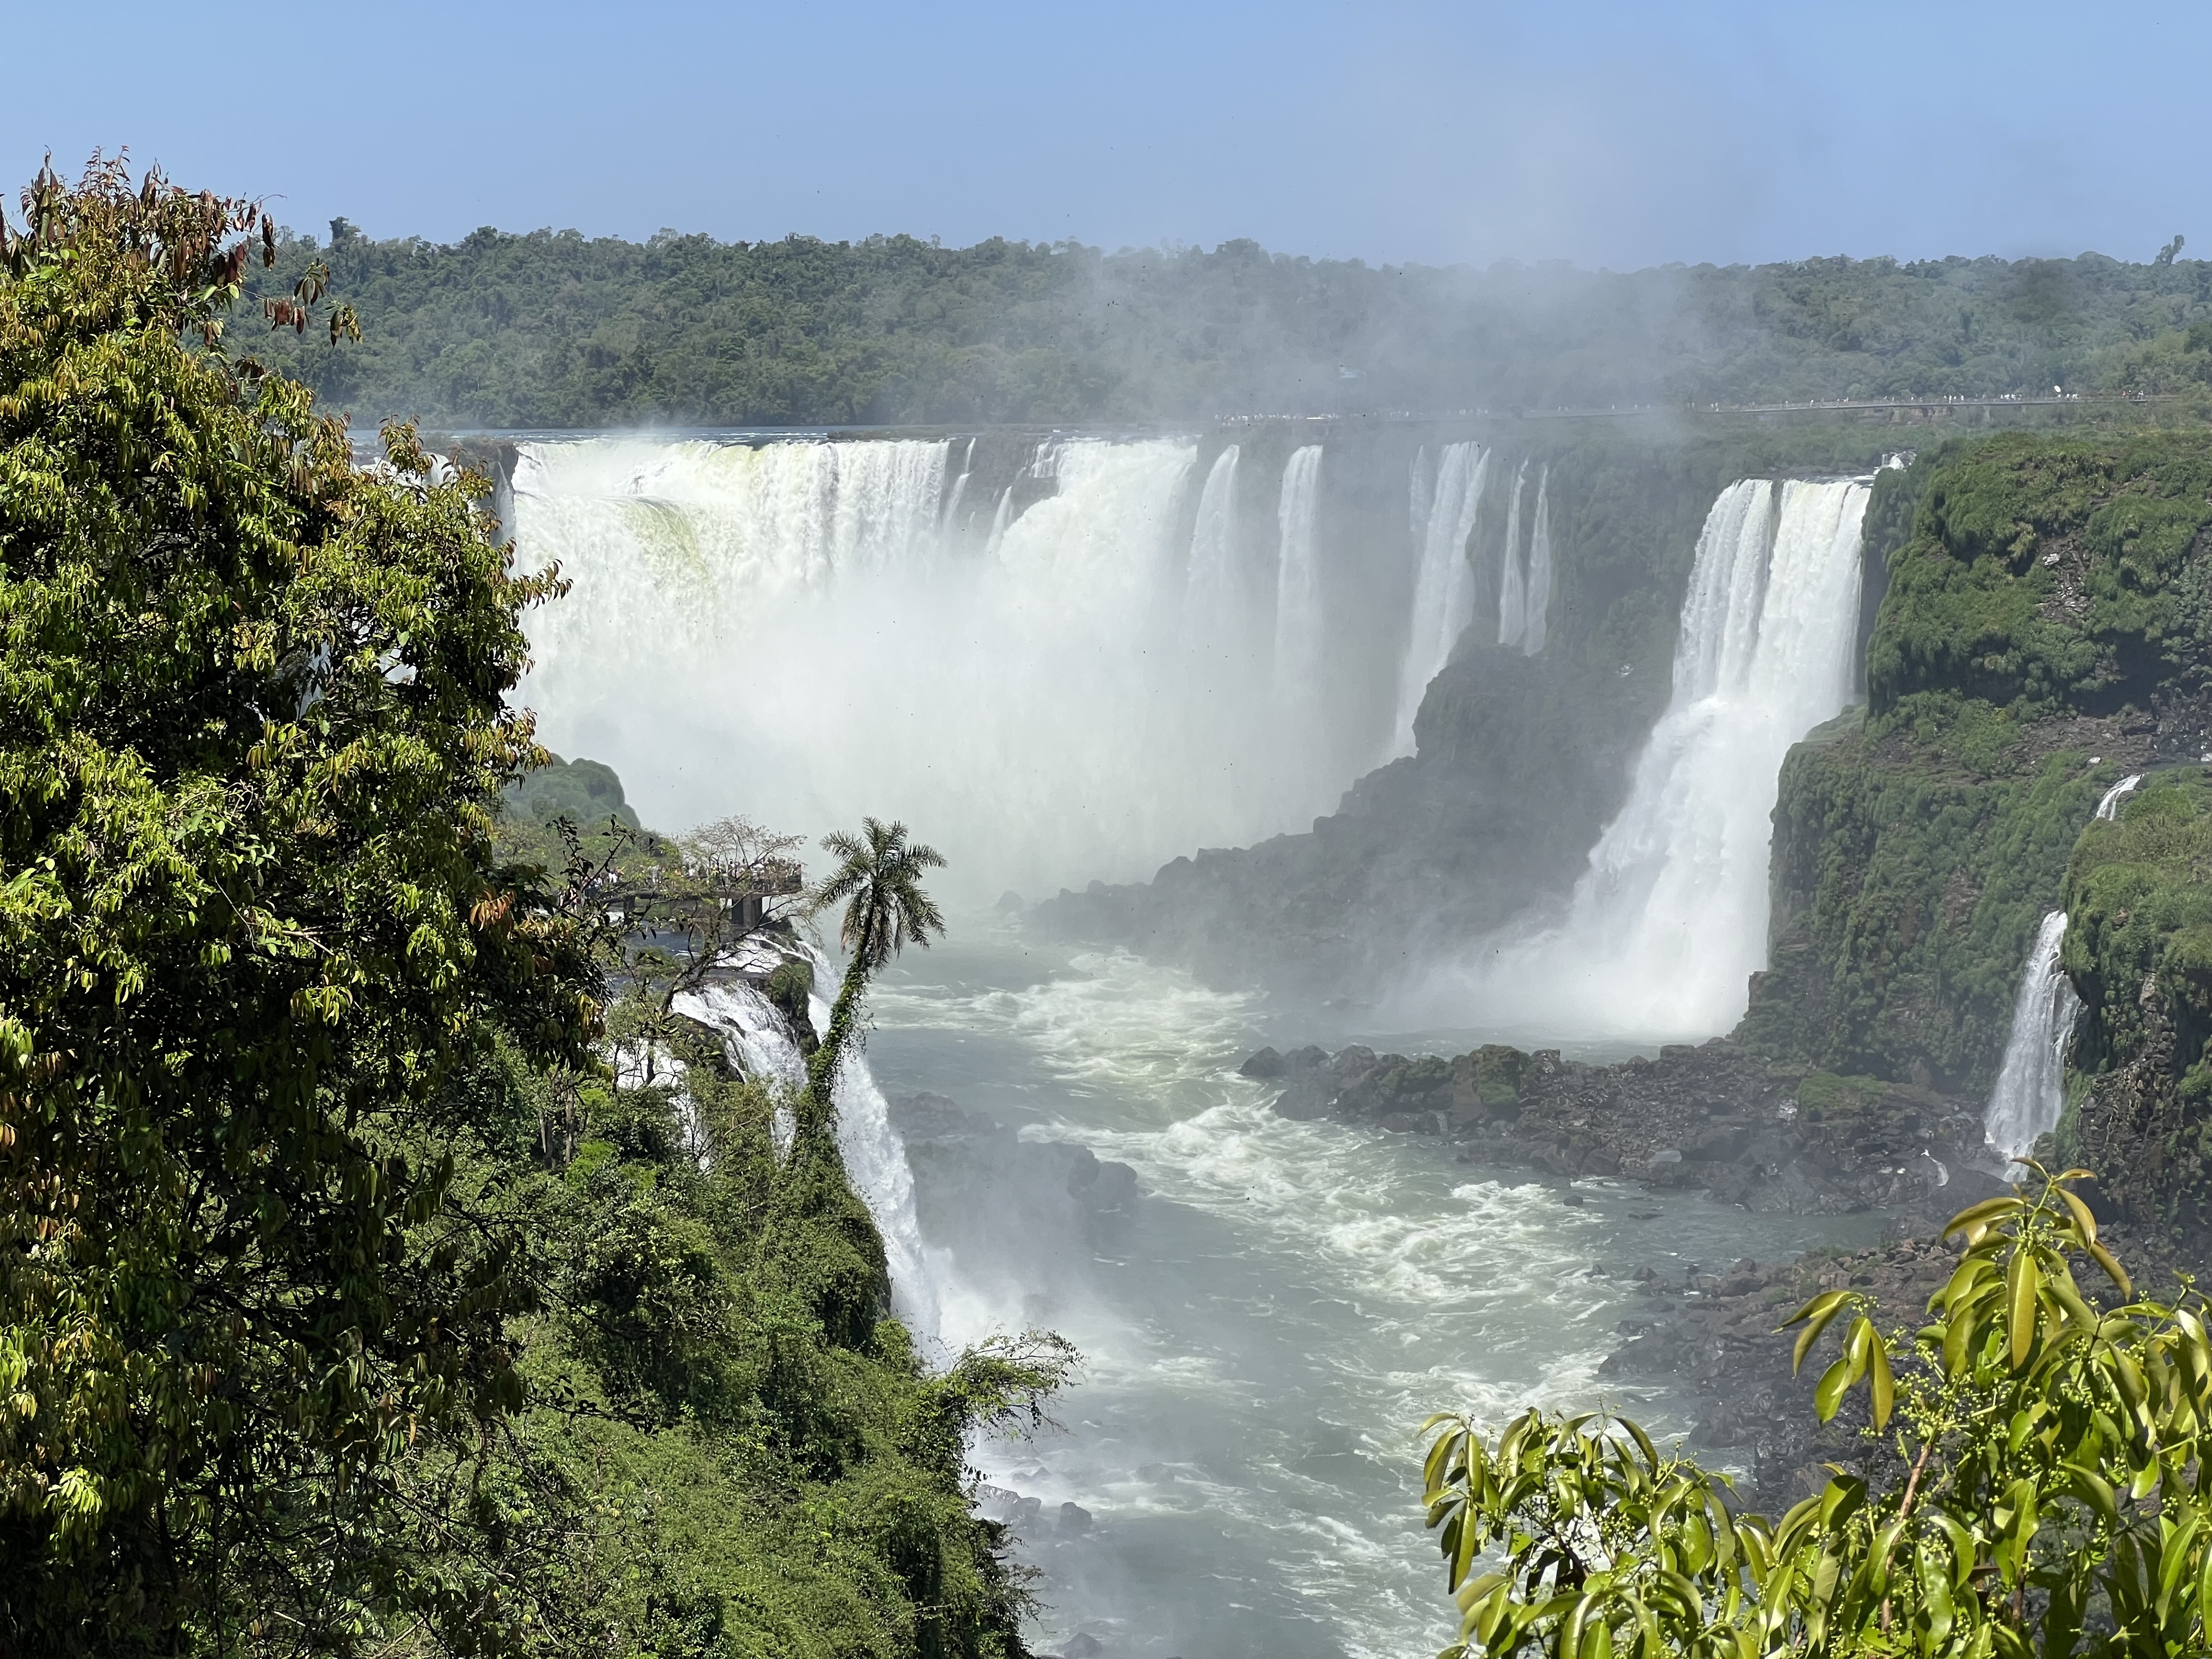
(556, 330)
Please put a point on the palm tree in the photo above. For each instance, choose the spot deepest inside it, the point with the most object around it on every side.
(879, 884)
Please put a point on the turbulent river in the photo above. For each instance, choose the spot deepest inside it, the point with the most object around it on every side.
(1263, 1337)
(1062, 658)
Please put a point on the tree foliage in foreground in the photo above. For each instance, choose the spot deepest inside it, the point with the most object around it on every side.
(350, 1303)
(251, 941)
(2054, 1498)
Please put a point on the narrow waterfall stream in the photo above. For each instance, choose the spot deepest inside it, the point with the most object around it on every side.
(2031, 1087)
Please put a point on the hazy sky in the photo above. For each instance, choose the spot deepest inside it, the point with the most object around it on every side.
(1604, 132)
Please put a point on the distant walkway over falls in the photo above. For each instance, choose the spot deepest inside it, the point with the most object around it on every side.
(1898, 411)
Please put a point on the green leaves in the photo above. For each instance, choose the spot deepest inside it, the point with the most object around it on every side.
(2050, 1455)
(252, 722)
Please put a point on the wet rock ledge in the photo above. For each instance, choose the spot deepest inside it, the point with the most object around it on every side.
(1716, 1116)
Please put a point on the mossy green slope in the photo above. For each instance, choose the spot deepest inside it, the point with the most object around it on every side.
(2042, 632)
(731, 1448)
(2139, 949)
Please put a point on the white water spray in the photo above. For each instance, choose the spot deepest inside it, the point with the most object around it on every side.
(1444, 586)
(2031, 1087)
(1669, 921)
(792, 630)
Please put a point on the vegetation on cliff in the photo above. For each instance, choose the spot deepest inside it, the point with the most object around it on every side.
(2138, 949)
(553, 330)
(2042, 632)
(350, 1302)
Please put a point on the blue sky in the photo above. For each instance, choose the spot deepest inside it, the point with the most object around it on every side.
(1601, 132)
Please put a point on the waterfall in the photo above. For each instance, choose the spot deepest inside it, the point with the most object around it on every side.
(1298, 576)
(959, 489)
(754, 1035)
(1668, 922)
(2031, 1086)
(2109, 807)
(1216, 599)
(1512, 578)
(794, 630)
(1000, 521)
(1444, 585)
(1540, 569)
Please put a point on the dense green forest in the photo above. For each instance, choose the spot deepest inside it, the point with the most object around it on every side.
(386, 1266)
(553, 329)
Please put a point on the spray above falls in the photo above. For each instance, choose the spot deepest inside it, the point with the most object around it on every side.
(1080, 667)
(1668, 921)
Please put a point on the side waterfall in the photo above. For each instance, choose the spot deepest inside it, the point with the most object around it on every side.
(2031, 1088)
(1443, 514)
(809, 630)
(1215, 600)
(753, 1036)
(2109, 807)
(1512, 574)
(1538, 585)
(1298, 576)
(1668, 922)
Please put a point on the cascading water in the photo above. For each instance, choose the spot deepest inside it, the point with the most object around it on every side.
(2109, 807)
(801, 632)
(1298, 576)
(1444, 586)
(1216, 604)
(1668, 922)
(754, 1035)
(1512, 577)
(999, 520)
(2031, 1086)
(1538, 585)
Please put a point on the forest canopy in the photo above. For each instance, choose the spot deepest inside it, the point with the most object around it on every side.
(556, 330)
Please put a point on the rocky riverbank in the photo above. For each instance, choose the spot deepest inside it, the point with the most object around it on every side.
(1716, 1117)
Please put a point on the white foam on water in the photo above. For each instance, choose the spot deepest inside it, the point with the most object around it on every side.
(1403, 1285)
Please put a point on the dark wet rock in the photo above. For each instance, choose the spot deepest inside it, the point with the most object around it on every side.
(1074, 1520)
(1714, 1117)
(1265, 1065)
(1083, 1646)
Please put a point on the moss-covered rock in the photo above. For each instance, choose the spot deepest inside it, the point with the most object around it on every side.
(2042, 631)
(2138, 948)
